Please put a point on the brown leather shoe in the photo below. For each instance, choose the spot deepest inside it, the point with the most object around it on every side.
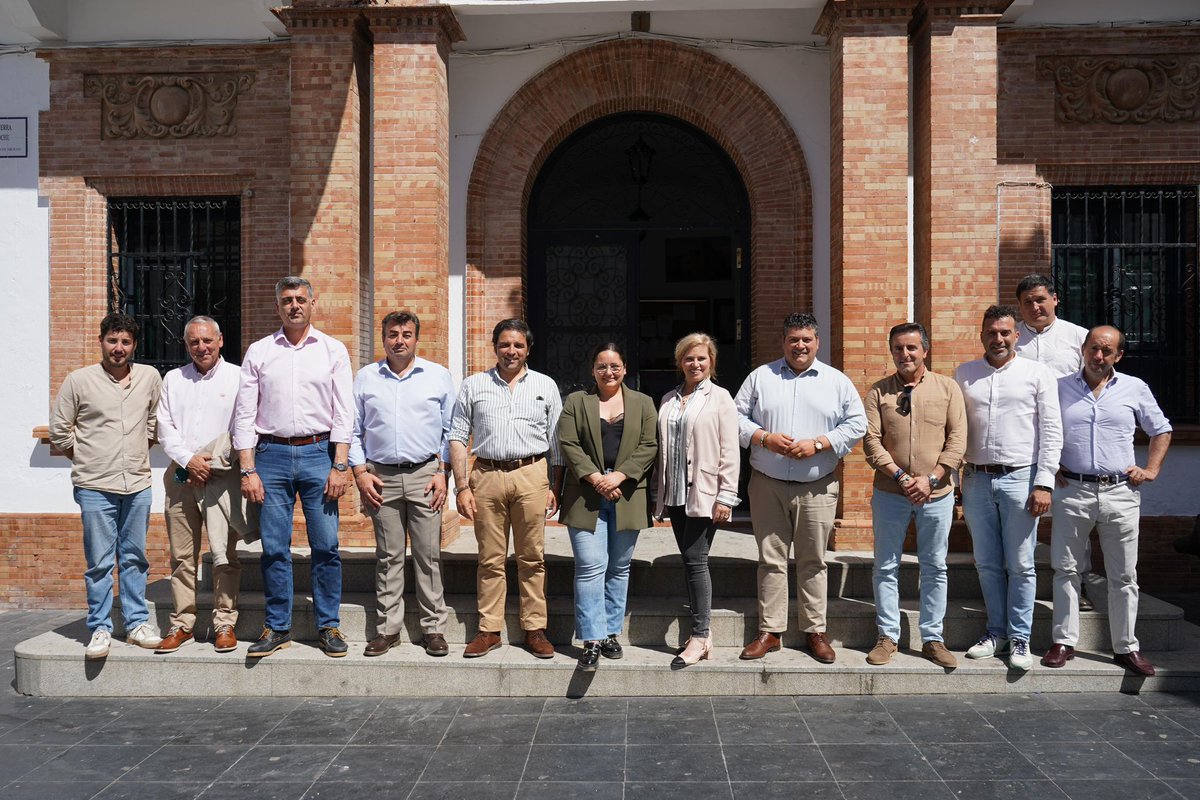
(1134, 662)
(537, 643)
(174, 640)
(882, 652)
(435, 644)
(483, 643)
(936, 652)
(381, 644)
(1058, 656)
(766, 642)
(818, 645)
(225, 640)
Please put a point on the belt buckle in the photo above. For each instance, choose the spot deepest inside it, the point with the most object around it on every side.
(1108, 480)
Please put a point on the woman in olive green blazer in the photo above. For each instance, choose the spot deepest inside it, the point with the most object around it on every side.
(608, 437)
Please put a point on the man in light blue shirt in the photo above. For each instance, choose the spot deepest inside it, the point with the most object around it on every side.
(799, 417)
(1098, 488)
(398, 451)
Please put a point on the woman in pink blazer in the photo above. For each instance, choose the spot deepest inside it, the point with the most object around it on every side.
(698, 465)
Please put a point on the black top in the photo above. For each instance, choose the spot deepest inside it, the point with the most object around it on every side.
(610, 437)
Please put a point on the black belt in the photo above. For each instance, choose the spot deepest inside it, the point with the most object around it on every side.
(995, 469)
(510, 465)
(406, 464)
(1103, 480)
(295, 441)
(785, 480)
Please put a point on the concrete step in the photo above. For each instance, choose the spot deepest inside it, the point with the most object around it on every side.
(52, 664)
(657, 568)
(653, 621)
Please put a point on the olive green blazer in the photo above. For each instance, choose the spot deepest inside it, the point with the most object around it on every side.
(579, 438)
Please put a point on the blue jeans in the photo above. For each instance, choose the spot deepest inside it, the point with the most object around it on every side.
(1003, 533)
(114, 534)
(891, 514)
(286, 471)
(602, 561)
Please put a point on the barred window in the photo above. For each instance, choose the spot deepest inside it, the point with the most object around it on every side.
(1127, 257)
(169, 259)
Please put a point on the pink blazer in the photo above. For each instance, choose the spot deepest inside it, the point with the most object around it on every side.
(712, 451)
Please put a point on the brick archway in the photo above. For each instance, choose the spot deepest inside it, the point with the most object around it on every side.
(650, 76)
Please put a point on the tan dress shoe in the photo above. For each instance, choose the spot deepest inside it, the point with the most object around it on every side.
(225, 641)
(766, 642)
(537, 643)
(174, 640)
(882, 652)
(818, 645)
(483, 643)
(936, 652)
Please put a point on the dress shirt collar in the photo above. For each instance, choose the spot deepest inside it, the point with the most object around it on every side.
(385, 369)
(310, 336)
(786, 369)
(988, 364)
(191, 373)
(495, 373)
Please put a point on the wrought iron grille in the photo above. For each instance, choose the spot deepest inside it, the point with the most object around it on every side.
(170, 258)
(1128, 257)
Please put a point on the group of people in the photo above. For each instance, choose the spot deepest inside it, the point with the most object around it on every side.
(1043, 423)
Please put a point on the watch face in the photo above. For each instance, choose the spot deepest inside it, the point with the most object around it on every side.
(340, 467)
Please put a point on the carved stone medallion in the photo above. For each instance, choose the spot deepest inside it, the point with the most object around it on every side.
(172, 106)
(1125, 89)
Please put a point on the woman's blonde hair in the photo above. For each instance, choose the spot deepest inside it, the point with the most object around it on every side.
(690, 341)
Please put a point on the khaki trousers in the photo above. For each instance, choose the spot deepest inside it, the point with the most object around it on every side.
(788, 516)
(185, 522)
(516, 498)
(406, 516)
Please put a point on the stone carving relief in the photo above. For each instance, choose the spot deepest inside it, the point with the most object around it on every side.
(1125, 89)
(171, 106)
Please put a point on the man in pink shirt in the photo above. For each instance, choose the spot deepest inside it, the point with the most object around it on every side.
(292, 425)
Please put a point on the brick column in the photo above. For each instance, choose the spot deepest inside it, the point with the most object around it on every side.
(410, 133)
(329, 70)
(955, 90)
(869, 152)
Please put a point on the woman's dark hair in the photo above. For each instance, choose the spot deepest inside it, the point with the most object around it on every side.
(605, 347)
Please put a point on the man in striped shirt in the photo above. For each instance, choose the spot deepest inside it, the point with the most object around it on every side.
(511, 413)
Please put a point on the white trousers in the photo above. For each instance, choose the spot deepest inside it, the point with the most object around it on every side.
(1113, 511)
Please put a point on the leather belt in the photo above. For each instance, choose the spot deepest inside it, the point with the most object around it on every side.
(995, 469)
(1103, 480)
(509, 466)
(406, 464)
(295, 441)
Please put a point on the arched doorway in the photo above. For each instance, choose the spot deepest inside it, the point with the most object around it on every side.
(639, 232)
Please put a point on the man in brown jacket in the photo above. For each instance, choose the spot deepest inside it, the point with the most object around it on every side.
(916, 437)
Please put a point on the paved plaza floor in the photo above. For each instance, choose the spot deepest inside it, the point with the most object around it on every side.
(975, 747)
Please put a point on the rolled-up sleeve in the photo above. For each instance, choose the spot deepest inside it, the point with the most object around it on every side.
(745, 401)
(460, 420)
(853, 423)
(245, 437)
(552, 415)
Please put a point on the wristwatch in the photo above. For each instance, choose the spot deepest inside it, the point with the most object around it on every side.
(817, 444)
(1043, 488)
(933, 481)
(341, 466)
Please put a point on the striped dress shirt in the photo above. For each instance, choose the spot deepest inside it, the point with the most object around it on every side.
(508, 424)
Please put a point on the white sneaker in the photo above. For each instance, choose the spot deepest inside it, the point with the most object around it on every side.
(97, 648)
(144, 635)
(1020, 658)
(988, 646)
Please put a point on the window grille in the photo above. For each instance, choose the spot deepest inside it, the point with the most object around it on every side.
(1127, 257)
(169, 259)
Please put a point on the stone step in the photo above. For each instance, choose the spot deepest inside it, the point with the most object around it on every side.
(654, 621)
(657, 568)
(52, 664)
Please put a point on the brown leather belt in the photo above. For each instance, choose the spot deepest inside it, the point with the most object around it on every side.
(295, 441)
(509, 466)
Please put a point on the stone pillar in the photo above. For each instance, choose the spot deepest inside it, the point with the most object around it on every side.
(410, 147)
(869, 153)
(955, 91)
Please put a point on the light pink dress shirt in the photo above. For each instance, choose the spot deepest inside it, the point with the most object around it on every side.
(294, 390)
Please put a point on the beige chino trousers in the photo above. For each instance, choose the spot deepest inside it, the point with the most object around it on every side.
(792, 516)
(515, 498)
(185, 523)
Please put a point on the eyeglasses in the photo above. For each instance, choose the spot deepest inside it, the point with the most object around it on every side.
(616, 368)
(904, 404)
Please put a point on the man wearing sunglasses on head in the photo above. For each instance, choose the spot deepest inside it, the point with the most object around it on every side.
(916, 436)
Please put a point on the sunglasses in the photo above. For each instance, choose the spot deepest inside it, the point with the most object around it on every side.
(904, 404)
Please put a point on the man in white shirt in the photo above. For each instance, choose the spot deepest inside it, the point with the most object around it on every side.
(1055, 343)
(1043, 336)
(1014, 436)
(195, 409)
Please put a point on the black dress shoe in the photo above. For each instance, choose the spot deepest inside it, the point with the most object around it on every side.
(590, 657)
(269, 642)
(1085, 602)
(332, 642)
(611, 648)
(1058, 656)
(1134, 662)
